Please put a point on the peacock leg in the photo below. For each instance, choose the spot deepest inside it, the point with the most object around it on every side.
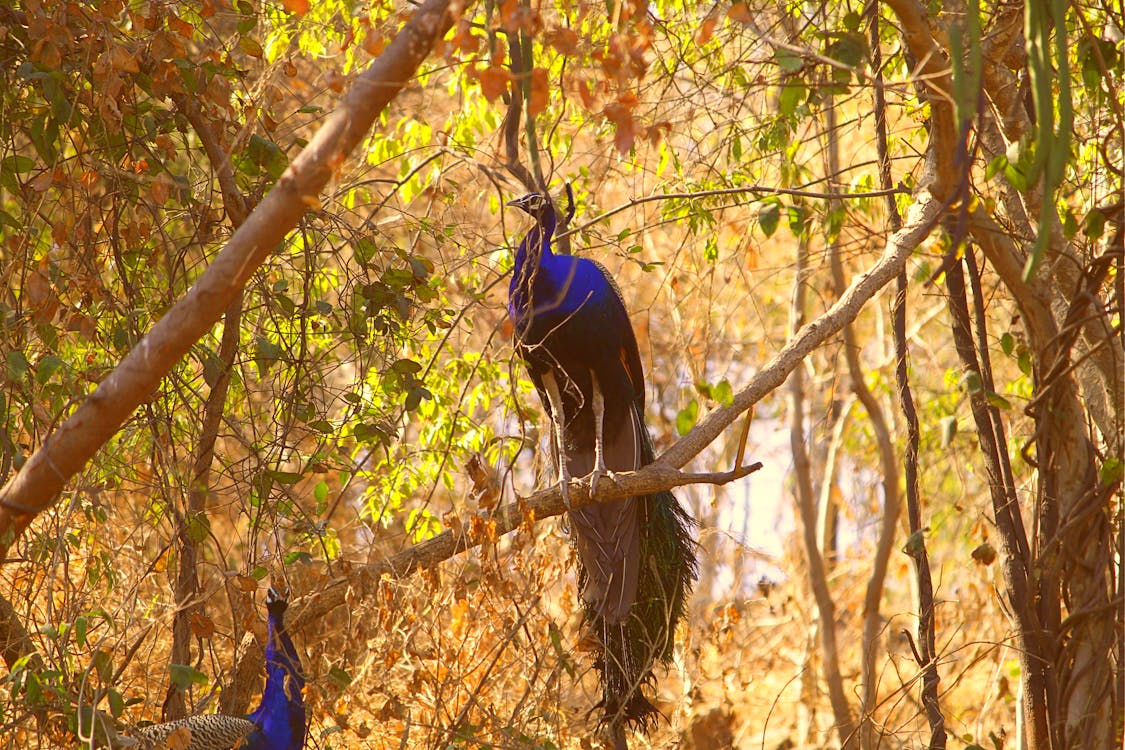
(598, 404)
(555, 399)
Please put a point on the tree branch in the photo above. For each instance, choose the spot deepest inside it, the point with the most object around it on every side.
(921, 219)
(473, 530)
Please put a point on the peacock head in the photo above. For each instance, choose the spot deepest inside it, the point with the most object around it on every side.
(535, 204)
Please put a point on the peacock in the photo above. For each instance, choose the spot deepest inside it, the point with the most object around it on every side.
(277, 724)
(637, 559)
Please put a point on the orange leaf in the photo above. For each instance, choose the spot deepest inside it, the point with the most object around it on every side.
(246, 584)
(586, 94)
(464, 39)
(373, 42)
(707, 30)
(122, 60)
(181, 27)
(540, 91)
(564, 40)
(296, 7)
(493, 81)
(159, 191)
(458, 620)
(740, 12)
(201, 626)
(37, 289)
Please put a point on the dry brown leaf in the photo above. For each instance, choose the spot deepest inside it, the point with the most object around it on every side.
(540, 91)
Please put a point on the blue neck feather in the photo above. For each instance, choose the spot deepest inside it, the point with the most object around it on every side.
(534, 261)
(281, 714)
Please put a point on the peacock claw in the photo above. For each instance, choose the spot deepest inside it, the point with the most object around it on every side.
(596, 476)
(564, 487)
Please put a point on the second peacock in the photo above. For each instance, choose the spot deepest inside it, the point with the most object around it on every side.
(277, 724)
(637, 558)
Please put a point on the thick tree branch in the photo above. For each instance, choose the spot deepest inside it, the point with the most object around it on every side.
(935, 74)
(475, 530)
(64, 453)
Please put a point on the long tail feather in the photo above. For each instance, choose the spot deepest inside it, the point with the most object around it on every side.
(630, 649)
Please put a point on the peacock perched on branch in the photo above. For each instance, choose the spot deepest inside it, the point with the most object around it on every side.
(277, 724)
(636, 555)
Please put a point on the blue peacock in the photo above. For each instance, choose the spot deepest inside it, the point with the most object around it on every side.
(636, 555)
(277, 724)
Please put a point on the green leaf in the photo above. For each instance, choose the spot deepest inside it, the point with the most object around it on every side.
(17, 365)
(250, 46)
(793, 93)
(320, 491)
(17, 164)
(995, 166)
(198, 527)
(948, 430)
(184, 676)
(1094, 226)
(340, 677)
(103, 664)
(1112, 471)
(47, 366)
(116, 703)
(768, 217)
(285, 477)
(685, 420)
(1007, 343)
(971, 382)
(364, 249)
(915, 544)
(995, 399)
(723, 393)
(787, 60)
(406, 367)
(796, 216)
(81, 625)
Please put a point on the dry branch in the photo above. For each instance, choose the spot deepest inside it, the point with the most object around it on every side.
(923, 214)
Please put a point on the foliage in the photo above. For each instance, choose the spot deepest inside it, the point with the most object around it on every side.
(374, 401)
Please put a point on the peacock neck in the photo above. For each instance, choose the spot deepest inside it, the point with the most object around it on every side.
(533, 255)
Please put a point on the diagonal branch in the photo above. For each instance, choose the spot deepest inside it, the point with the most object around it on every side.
(65, 452)
(921, 219)
(475, 530)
